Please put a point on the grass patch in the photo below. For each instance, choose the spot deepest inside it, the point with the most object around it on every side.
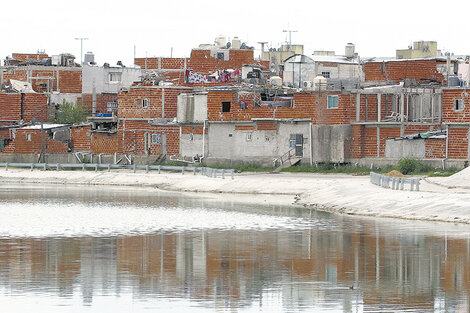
(326, 168)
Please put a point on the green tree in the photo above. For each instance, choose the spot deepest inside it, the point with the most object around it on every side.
(71, 113)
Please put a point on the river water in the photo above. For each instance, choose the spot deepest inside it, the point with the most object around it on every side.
(94, 249)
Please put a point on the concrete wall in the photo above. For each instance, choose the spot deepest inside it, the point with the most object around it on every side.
(415, 148)
(329, 142)
(229, 144)
(192, 108)
(60, 98)
(382, 162)
(99, 76)
(191, 145)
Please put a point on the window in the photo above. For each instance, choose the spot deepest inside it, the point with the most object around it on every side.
(249, 137)
(115, 77)
(325, 74)
(28, 137)
(226, 106)
(111, 106)
(332, 102)
(458, 104)
(141, 103)
(191, 137)
(156, 139)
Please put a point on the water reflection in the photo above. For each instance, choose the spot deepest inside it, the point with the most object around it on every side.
(332, 263)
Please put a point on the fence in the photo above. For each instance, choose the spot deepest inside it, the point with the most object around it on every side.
(207, 171)
(395, 183)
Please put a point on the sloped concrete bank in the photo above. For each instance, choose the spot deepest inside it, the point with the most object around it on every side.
(344, 194)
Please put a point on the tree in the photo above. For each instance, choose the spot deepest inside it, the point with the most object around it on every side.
(71, 113)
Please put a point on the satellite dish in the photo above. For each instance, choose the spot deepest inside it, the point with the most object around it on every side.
(228, 45)
(33, 121)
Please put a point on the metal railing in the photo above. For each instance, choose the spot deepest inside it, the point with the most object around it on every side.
(394, 183)
(207, 171)
(285, 157)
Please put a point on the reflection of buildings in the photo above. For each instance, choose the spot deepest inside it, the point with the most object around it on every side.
(233, 269)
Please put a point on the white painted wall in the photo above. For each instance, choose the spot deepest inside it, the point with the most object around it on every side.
(99, 76)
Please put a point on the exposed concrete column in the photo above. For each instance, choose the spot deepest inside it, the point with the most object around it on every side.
(379, 107)
(378, 141)
(402, 107)
(432, 107)
(159, 63)
(358, 107)
(163, 102)
(1, 76)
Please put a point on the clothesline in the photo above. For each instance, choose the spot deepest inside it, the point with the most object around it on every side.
(220, 76)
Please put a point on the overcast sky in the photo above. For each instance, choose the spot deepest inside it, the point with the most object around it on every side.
(377, 28)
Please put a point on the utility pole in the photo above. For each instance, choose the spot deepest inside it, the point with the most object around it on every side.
(290, 37)
(81, 48)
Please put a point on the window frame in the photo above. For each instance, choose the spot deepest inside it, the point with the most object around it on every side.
(459, 105)
(327, 74)
(114, 74)
(335, 103)
(224, 107)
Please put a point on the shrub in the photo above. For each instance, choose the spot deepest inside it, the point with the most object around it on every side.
(411, 165)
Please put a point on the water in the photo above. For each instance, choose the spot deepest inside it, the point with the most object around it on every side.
(69, 249)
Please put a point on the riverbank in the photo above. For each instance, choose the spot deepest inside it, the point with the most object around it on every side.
(346, 194)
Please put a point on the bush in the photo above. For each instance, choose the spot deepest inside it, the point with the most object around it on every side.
(410, 165)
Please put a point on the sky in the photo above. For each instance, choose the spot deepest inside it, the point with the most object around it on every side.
(164, 28)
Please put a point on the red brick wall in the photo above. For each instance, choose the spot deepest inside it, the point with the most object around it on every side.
(357, 141)
(21, 145)
(32, 106)
(127, 107)
(201, 62)
(101, 101)
(397, 71)
(266, 125)
(449, 114)
(458, 143)
(435, 148)
(414, 129)
(306, 105)
(80, 137)
(244, 127)
(131, 137)
(29, 56)
(10, 107)
(70, 81)
(104, 143)
(195, 130)
(387, 133)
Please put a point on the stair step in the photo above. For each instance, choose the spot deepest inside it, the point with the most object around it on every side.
(288, 163)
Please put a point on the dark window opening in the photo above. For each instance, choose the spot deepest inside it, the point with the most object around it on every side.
(458, 104)
(225, 106)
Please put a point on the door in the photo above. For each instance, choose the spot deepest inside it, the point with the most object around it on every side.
(296, 141)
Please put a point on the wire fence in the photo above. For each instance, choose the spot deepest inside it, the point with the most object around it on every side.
(394, 183)
(207, 171)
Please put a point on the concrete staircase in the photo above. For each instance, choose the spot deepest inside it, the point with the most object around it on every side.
(290, 162)
(288, 159)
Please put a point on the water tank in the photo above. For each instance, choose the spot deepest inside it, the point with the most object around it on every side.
(276, 81)
(319, 83)
(221, 41)
(89, 58)
(236, 43)
(453, 81)
(349, 50)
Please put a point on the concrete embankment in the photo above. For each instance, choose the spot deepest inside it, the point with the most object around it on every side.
(333, 193)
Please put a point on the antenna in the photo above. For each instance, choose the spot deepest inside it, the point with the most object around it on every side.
(290, 37)
(81, 48)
